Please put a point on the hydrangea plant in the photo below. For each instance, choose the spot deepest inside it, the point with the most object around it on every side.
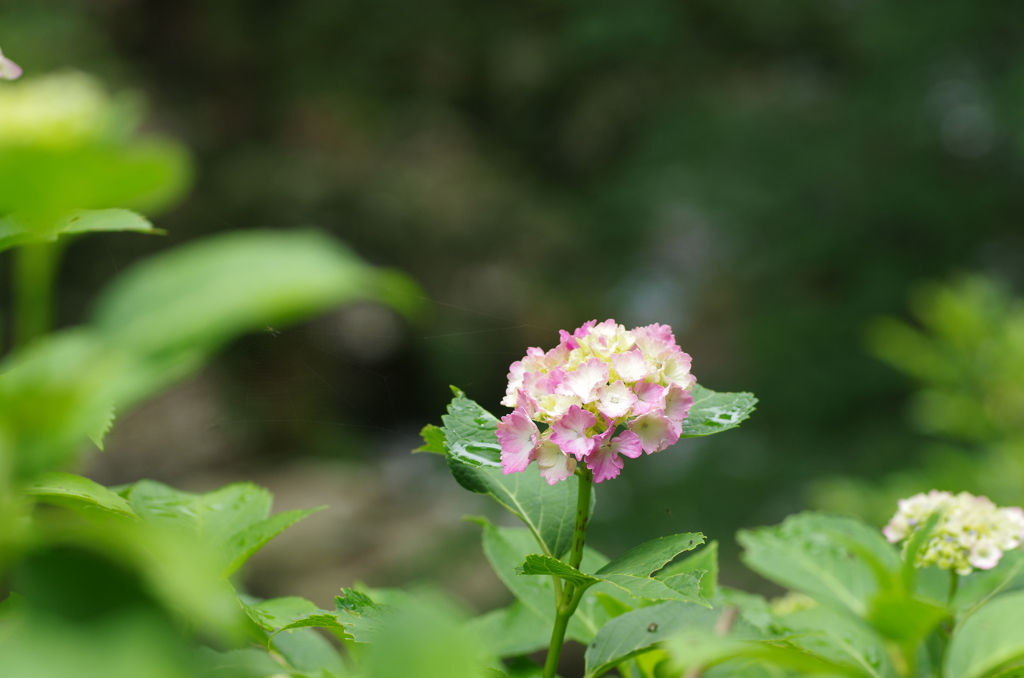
(601, 394)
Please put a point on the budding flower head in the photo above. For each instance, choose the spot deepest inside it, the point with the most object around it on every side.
(604, 392)
(8, 69)
(972, 532)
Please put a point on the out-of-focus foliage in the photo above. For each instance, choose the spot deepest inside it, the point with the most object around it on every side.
(66, 144)
(159, 323)
(131, 581)
(856, 609)
(122, 583)
(965, 354)
(766, 177)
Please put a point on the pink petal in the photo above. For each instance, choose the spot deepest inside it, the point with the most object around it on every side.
(650, 396)
(584, 329)
(527, 403)
(518, 436)
(605, 463)
(655, 431)
(615, 400)
(569, 432)
(8, 69)
(539, 384)
(655, 339)
(554, 464)
(678, 403)
(628, 444)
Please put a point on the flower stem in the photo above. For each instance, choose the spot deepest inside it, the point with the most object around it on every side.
(579, 534)
(35, 269)
(566, 604)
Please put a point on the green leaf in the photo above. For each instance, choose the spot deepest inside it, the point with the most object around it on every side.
(801, 555)
(177, 567)
(427, 639)
(511, 631)
(754, 609)
(196, 296)
(470, 433)
(700, 648)
(282, 614)
(713, 412)
(14, 232)
(705, 559)
(217, 515)
(90, 221)
(129, 646)
(904, 618)
(841, 639)
(78, 493)
(869, 545)
(56, 393)
(980, 586)
(683, 587)
(649, 557)
(635, 632)
(522, 667)
(363, 617)
(989, 639)
(433, 440)
(613, 606)
(233, 518)
(540, 564)
(549, 511)
(507, 547)
(254, 537)
(42, 184)
(102, 428)
(157, 324)
(301, 647)
(248, 662)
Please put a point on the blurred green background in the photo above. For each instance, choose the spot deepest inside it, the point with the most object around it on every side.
(769, 178)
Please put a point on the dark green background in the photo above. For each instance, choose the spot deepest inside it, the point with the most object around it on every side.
(765, 176)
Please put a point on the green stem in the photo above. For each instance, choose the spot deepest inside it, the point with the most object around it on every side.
(949, 622)
(3, 273)
(566, 604)
(35, 268)
(579, 534)
(13, 508)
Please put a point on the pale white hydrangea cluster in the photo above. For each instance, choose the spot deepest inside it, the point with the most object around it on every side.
(972, 532)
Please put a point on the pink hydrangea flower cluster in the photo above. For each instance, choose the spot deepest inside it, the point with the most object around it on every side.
(602, 394)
